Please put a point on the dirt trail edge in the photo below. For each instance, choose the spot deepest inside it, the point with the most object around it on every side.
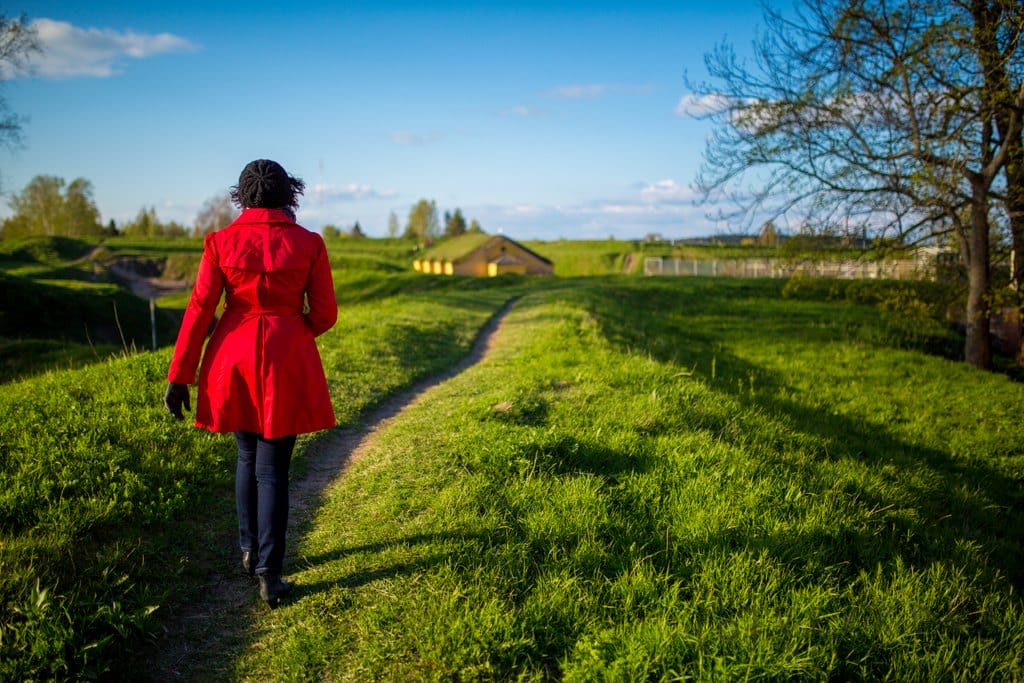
(200, 638)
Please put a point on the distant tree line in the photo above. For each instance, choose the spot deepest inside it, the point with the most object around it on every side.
(50, 206)
(333, 232)
(423, 223)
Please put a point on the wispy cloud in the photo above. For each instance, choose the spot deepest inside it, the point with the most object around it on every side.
(697, 106)
(526, 112)
(69, 51)
(528, 210)
(660, 197)
(595, 90)
(630, 219)
(349, 193)
(663, 206)
(666, 192)
(577, 92)
(414, 139)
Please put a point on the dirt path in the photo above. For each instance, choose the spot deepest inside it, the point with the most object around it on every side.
(145, 286)
(201, 638)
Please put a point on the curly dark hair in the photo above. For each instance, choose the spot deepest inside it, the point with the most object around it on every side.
(264, 184)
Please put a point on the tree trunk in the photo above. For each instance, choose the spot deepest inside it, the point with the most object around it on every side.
(1015, 207)
(1014, 172)
(978, 346)
(989, 17)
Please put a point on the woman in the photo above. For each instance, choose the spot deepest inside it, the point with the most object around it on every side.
(261, 375)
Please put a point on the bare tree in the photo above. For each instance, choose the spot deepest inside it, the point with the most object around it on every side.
(216, 213)
(872, 116)
(17, 43)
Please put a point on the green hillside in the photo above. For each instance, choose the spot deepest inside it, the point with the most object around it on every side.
(60, 308)
(647, 479)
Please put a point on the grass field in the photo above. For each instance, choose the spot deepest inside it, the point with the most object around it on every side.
(649, 479)
(60, 309)
(108, 508)
(674, 480)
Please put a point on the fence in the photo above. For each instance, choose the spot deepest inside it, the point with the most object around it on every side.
(922, 269)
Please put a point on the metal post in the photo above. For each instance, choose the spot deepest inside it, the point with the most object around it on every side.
(152, 319)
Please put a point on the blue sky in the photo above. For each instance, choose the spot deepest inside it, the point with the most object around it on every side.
(543, 120)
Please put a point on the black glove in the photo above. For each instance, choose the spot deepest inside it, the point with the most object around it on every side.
(175, 397)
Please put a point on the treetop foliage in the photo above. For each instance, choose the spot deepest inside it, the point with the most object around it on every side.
(423, 223)
(455, 224)
(45, 207)
(146, 224)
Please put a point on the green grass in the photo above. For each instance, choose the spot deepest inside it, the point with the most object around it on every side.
(21, 358)
(43, 249)
(110, 511)
(60, 310)
(388, 255)
(650, 479)
(76, 312)
(659, 480)
(574, 258)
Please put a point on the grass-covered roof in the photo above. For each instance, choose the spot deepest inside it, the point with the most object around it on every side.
(454, 248)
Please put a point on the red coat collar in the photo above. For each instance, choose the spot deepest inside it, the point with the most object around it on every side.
(264, 216)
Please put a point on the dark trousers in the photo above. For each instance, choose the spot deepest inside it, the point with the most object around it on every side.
(261, 493)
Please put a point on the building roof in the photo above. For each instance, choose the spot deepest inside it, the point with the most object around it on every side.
(455, 248)
(458, 248)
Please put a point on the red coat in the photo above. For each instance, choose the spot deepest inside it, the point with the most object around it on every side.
(261, 371)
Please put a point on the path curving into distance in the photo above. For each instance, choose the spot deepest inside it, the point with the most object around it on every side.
(201, 637)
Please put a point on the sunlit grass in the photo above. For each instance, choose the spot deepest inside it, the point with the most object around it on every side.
(110, 509)
(668, 480)
(649, 479)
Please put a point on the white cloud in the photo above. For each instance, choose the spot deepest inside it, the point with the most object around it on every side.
(414, 139)
(660, 198)
(622, 209)
(527, 210)
(525, 112)
(69, 51)
(664, 206)
(596, 220)
(349, 193)
(666, 191)
(593, 90)
(575, 92)
(697, 106)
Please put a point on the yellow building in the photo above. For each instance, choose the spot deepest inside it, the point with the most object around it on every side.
(483, 256)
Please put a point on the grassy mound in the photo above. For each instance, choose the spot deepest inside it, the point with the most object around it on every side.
(666, 480)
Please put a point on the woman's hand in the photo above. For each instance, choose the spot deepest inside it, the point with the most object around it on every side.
(175, 397)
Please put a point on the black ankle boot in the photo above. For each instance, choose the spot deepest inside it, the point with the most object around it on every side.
(273, 588)
(249, 562)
